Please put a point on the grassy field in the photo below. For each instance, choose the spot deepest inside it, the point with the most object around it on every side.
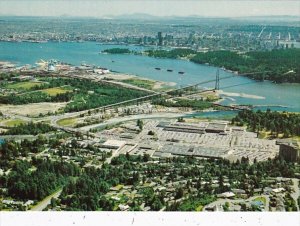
(146, 84)
(119, 186)
(23, 85)
(67, 122)
(61, 89)
(211, 96)
(46, 121)
(297, 138)
(199, 208)
(33, 109)
(13, 122)
(56, 90)
(268, 135)
(263, 134)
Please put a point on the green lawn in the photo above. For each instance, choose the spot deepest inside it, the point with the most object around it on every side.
(13, 122)
(199, 208)
(56, 90)
(146, 84)
(119, 186)
(67, 122)
(23, 85)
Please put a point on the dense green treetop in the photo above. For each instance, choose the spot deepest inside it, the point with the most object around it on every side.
(276, 122)
(117, 51)
(30, 129)
(278, 65)
(174, 53)
(79, 95)
(26, 183)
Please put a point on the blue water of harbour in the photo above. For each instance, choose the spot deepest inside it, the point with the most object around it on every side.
(213, 115)
(238, 90)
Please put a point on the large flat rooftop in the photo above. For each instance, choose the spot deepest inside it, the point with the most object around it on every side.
(191, 150)
(232, 144)
(201, 127)
(114, 144)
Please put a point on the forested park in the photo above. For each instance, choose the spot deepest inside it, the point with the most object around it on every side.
(279, 66)
(277, 123)
(80, 94)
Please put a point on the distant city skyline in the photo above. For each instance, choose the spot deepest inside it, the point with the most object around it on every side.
(105, 8)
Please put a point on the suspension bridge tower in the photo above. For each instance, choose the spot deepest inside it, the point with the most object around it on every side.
(217, 84)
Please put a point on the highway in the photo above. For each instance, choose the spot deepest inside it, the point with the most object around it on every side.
(54, 119)
(117, 120)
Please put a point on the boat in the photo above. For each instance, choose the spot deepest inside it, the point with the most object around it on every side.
(169, 70)
(157, 68)
(181, 72)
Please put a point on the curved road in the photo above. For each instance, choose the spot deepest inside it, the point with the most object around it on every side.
(46, 201)
(296, 192)
(221, 202)
(117, 120)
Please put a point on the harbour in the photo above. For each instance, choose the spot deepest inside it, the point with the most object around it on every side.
(241, 88)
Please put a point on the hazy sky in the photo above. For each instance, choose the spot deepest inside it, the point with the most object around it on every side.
(100, 8)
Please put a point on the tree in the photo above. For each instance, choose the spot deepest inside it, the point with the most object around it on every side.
(179, 193)
(221, 184)
(140, 124)
(146, 157)
(74, 143)
(53, 202)
(135, 177)
(180, 119)
(151, 133)
(286, 133)
(243, 207)
(156, 204)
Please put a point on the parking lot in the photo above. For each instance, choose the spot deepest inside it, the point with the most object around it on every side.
(223, 142)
